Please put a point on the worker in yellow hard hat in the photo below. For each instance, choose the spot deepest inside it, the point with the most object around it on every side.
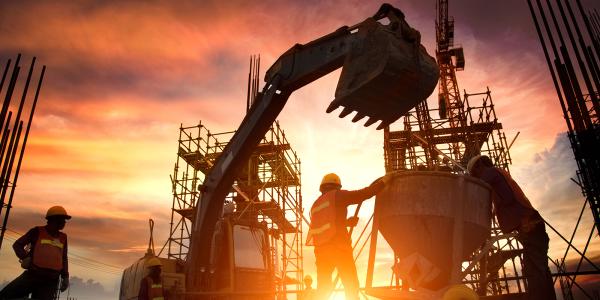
(329, 235)
(152, 286)
(515, 213)
(44, 263)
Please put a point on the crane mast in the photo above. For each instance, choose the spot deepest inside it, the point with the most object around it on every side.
(450, 59)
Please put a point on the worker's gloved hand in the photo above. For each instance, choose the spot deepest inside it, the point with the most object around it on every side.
(64, 284)
(26, 262)
(352, 221)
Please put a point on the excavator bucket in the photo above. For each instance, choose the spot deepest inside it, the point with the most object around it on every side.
(385, 75)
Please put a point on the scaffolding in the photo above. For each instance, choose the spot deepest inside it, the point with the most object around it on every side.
(427, 143)
(267, 190)
(271, 188)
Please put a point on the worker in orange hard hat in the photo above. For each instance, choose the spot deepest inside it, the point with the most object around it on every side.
(151, 287)
(328, 233)
(515, 213)
(45, 263)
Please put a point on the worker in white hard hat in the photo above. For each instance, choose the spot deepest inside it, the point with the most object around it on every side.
(329, 235)
(151, 287)
(45, 261)
(515, 213)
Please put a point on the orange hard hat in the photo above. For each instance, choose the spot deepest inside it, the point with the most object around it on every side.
(57, 211)
(331, 178)
(153, 262)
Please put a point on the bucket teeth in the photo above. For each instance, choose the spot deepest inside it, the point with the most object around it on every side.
(358, 117)
(332, 107)
(382, 125)
(370, 121)
(346, 111)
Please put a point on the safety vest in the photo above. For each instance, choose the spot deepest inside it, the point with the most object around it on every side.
(322, 220)
(522, 200)
(48, 250)
(155, 290)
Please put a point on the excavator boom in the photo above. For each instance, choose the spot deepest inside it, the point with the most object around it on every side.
(386, 72)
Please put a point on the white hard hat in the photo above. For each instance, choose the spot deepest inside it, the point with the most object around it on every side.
(472, 162)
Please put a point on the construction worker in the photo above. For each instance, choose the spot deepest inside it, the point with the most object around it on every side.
(515, 213)
(309, 292)
(44, 263)
(328, 233)
(152, 287)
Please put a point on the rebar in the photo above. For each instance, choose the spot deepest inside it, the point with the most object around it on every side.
(14, 140)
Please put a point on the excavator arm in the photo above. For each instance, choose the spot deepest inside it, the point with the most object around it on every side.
(368, 85)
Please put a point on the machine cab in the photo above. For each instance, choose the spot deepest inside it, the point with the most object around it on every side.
(240, 260)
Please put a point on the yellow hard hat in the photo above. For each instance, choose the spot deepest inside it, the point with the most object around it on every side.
(460, 292)
(472, 163)
(56, 211)
(331, 178)
(153, 262)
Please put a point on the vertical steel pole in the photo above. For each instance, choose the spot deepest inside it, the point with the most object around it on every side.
(16, 177)
(9, 91)
(5, 133)
(586, 21)
(582, 66)
(4, 74)
(4, 174)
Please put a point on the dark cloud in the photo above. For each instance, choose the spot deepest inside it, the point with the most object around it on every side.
(89, 289)
(80, 288)
(587, 283)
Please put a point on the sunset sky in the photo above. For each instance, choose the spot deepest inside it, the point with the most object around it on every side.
(122, 76)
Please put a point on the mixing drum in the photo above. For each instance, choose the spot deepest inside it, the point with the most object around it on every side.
(417, 212)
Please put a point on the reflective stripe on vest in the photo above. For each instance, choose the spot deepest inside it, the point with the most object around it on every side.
(155, 290)
(322, 220)
(320, 229)
(48, 250)
(55, 243)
